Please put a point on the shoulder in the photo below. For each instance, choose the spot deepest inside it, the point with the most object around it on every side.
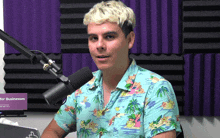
(150, 80)
(147, 76)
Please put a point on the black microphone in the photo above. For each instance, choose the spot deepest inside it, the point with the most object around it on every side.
(61, 90)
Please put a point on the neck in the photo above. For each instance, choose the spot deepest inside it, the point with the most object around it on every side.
(112, 77)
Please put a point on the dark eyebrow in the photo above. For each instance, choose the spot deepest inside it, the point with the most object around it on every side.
(90, 35)
(110, 33)
(107, 33)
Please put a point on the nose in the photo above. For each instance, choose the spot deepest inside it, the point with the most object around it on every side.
(100, 44)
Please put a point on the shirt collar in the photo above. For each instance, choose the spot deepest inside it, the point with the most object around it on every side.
(125, 83)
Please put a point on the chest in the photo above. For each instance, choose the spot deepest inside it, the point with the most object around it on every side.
(121, 115)
(106, 98)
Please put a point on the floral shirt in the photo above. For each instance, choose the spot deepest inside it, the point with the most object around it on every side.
(142, 106)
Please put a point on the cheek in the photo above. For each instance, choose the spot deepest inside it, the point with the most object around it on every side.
(91, 48)
(122, 49)
(118, 46)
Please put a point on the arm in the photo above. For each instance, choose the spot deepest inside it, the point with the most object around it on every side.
(168, 134)
(53, 131)
(161, 111)
(65, 117)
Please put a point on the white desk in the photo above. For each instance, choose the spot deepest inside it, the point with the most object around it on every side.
(39, 120)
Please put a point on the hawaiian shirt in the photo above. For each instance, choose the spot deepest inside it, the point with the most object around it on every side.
(142, 105)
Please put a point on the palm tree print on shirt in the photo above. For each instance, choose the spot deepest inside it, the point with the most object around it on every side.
(132, 106)
(101, 131)
(161, 124)
(163, 91)
(77, 107)
(96, 99)
(83, 133)
(133, 119)
(71, 110)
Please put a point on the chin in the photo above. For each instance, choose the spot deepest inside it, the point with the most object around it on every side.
(103, 67)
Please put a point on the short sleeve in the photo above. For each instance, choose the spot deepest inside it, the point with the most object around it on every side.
(66, 115)
(161, 110)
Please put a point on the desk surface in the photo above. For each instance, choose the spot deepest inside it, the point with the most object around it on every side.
(201, 127)
(39, 120)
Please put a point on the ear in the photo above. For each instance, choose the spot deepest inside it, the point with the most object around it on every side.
(131, 39)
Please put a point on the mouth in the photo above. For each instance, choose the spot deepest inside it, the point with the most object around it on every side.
(102, 56)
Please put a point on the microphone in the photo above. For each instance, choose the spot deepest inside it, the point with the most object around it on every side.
(61, 90)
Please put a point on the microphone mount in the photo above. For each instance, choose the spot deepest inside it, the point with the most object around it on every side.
(48, 64)
(54, 70)
(67, 84)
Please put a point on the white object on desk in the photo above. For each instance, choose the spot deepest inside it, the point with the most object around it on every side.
(9, 122)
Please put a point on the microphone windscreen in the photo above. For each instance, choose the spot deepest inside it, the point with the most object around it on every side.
(80, 77)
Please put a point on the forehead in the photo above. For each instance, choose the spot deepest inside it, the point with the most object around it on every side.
(94, 28)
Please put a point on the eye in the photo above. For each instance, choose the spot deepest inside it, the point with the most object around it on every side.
(93, 38)
(110, 37)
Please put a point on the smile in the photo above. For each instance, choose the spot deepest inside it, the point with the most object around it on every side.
(103, 56)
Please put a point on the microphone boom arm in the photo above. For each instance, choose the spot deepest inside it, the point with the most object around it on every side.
(18, 46)
(67, 84)
(50, 67)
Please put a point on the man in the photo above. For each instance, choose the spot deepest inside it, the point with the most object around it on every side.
(123, 99)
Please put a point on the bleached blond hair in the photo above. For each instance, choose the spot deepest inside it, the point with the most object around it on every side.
(112, 11)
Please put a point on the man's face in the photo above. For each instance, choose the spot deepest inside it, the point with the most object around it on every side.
(108, 45)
